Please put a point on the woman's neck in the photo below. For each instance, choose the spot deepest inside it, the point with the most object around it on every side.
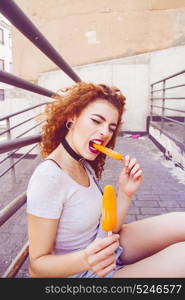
(69, 165)
(65, 160)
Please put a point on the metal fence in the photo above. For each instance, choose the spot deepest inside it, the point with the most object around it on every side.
(8, 132)
(162, 119)
(18, 18)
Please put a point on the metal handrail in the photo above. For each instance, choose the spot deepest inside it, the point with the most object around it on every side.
(11, 79)
(29, 129)
(9, 129)
(164, 98)
(161, 115)
(10, 145)
(182, 146)
(168, 108)
(167, 98)
(169, 77)
(9, 155)
(17, 262)
(21, 111)
(171, 120)
(19, 124)
(170, 87)
(17, 161)
(12, 207)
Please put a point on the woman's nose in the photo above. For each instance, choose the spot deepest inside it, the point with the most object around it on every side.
(104, 131)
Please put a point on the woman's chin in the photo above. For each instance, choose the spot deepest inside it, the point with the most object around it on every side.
(91, 159)
(90, 156)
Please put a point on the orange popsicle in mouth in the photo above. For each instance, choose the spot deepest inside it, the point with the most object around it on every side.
(108, 152)
(109, 212)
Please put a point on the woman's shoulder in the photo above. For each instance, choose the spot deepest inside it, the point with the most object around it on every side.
(45, 193)
(47, 169)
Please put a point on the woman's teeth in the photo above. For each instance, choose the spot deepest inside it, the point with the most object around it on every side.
(91, 148)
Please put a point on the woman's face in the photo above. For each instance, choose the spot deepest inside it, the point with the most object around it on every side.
(96, 123)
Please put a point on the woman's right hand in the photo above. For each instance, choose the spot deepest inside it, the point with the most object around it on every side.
(100, 255)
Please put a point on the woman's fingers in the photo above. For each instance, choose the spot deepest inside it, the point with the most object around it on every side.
(110, 260)
(131, 164)
(127, 160)
(135, 169)
(100, 254)
(132, 167)
(105, 271)
(138, 175)
(97, 257)
(100, 244)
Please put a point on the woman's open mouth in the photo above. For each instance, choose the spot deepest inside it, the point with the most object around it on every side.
(91, 148)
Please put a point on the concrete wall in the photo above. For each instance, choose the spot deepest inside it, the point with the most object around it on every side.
(133, 75)
(85, 32)
(131, 78)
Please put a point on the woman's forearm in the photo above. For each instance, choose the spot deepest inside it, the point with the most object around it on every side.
(60, 265)
(123, 203)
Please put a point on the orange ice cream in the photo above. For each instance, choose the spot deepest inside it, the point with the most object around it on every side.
(109, 213)
(108, 152)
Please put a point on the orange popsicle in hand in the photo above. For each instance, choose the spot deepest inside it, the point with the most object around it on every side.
(109, 213)
(109, 152)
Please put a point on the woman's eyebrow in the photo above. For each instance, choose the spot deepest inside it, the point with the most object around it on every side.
(103, 119)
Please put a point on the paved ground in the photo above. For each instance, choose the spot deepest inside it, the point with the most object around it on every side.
(162, 191)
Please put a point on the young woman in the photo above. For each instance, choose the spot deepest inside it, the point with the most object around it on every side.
(64, 198)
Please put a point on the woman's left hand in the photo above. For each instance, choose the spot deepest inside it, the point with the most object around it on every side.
(130, 177)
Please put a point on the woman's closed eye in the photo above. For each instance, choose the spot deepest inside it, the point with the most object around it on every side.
(112, 130)
(96, 121)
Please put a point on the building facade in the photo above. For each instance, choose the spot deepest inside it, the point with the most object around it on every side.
(86, 32)
(5, 52)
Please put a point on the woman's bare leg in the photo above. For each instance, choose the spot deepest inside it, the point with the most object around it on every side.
(146, 237)
(169, 263)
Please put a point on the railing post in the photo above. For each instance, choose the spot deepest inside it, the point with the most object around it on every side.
(11, 160)
(151, 106)
(184, 133)
(163, 105)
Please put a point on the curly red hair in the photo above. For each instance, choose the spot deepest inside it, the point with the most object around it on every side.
(71, 102)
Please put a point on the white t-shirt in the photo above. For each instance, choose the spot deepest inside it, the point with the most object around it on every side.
(53, 194)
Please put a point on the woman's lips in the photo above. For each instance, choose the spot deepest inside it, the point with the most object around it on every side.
(91, 148)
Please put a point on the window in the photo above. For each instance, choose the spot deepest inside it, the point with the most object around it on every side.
(1, 65)
(1, 36)
(10, 67)
(2, 97)
(10, 40)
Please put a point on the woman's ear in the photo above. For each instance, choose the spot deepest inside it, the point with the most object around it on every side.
(70, 122)
(73, 119)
